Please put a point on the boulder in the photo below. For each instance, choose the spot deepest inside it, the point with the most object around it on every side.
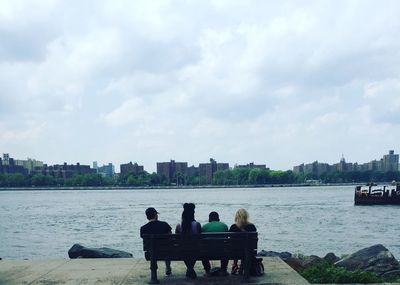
(391, 274)
(283, 255)
(376, 258)
(79, 251)
(301, 262)
(295, 263)
(311, 260)
(331, 258)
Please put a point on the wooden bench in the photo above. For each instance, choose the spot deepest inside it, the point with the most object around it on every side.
(205, 246)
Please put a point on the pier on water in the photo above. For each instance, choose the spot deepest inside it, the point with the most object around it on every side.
(133, 271)
(129, 271)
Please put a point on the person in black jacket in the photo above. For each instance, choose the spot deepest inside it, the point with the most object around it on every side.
(154, 226)
(241, 224)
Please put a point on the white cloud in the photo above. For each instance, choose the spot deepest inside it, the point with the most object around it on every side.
(276, 83)
(131, 112)
(30, 134)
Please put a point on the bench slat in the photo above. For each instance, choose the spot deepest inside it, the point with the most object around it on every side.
(203, 242)
(205, 246)
(210, 245)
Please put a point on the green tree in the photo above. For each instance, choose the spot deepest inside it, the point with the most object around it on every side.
(219, 178)
(17, 180)
(42, 180)
(132, 180)
(255, 176)
(154, 179)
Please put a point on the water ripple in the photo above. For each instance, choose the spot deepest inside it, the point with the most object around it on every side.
(43, 224)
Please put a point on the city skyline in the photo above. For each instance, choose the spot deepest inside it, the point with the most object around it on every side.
(274, 83)
(136, 167)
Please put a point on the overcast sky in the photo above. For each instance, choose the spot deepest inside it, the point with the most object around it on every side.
(274, 82)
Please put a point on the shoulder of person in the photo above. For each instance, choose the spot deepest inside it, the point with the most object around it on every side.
(165, 223)
(206, 225)
(233, 228)
(166, 227)
(144, 226)
(144, 229)
(198, 226)
(251, 228)
(225, 225)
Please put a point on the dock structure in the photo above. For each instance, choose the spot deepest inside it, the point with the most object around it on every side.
(130, 271)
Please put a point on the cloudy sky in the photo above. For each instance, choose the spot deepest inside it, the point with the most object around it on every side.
(274, 82)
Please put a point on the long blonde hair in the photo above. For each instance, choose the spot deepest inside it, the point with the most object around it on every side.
(241, 218)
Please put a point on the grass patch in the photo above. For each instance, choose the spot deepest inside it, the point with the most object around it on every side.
(328, 273)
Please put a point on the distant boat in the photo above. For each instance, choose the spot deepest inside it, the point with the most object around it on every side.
(373, 194)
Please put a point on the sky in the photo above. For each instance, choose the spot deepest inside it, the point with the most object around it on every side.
(274, 82)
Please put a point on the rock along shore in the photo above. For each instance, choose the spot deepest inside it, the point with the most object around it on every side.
(377, 259)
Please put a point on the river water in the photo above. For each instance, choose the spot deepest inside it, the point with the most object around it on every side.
(308, 220)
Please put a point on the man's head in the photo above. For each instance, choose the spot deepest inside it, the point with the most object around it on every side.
(151, 213)
(213, 217)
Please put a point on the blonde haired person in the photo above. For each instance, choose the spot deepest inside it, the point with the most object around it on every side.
(241, 224)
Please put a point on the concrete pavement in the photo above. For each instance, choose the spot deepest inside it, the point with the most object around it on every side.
(128, 271)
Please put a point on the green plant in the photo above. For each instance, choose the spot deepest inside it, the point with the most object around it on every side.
(328, 273)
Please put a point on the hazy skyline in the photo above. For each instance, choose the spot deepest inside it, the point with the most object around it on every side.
(278, 83)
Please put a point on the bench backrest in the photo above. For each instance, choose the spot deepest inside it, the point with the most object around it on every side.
(210, 246)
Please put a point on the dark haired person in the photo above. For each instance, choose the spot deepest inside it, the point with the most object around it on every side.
(215, 225)
(154, 226)
(189, 226)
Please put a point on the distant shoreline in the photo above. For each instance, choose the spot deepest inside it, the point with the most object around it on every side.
(173, 187)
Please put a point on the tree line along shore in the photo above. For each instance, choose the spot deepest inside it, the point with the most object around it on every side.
(227, 178)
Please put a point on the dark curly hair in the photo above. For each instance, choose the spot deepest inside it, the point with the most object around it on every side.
(187, 217)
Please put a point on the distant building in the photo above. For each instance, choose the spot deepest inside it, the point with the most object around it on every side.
(64, 170)
(8, 165)
(208, 170)
(343, 166)
(29, 164)
(316, 168)
(6, 159)
(131, 168)
(311, 167)
(299, 168)
(192, 171)
(106, 170)
(173, 171)
(389, 162)
(374, 165)
(252, 165)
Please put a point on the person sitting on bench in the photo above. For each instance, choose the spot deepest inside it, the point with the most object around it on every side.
(154, 226)
(189, 226)
(241, 224)
(214, 225)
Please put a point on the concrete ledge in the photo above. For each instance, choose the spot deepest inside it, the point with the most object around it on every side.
(129, 271)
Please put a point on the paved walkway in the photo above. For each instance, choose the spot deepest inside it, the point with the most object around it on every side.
(128, 271)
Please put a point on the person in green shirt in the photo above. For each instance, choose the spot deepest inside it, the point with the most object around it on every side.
(214, 225)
